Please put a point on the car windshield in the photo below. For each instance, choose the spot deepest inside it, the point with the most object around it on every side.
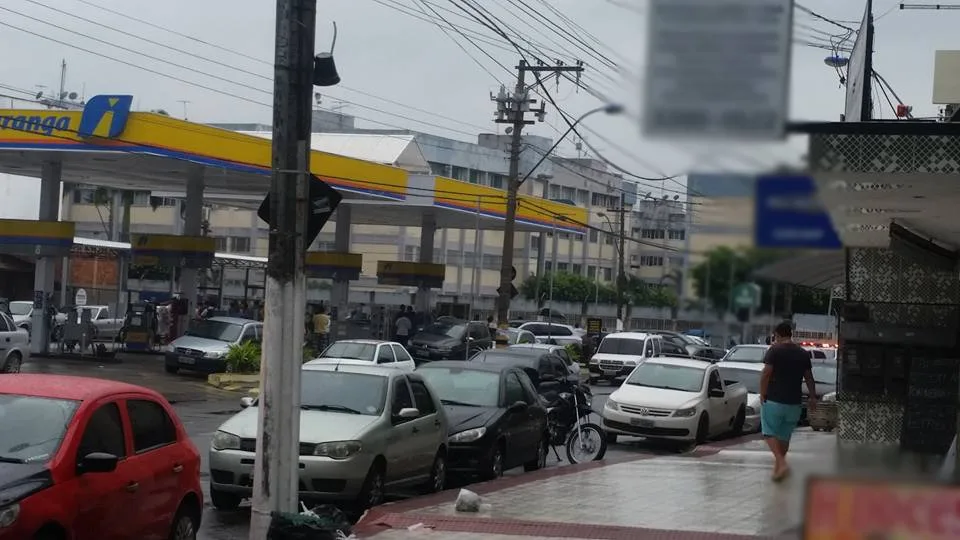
(825, 373)
(31, 428)
(20, 308)
(218, 330)
(614, 345)
(452, 330)
(350, 351)
(511, 334)
(746, 354)
(457, 386)
(342, 391)
(519, 356)
(749, 378)
(668, 377)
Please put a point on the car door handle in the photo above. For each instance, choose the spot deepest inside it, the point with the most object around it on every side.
(132, 487)
(177, 468)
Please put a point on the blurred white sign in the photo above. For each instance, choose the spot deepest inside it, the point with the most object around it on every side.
(718, 69)
(81, 298)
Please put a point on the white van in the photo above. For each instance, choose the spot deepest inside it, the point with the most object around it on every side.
(620, 352)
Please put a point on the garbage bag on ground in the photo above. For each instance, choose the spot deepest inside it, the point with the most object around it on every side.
(468, 501)
(324, 522)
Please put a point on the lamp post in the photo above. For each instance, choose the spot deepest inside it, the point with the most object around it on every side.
(509, 226)
(619, 249)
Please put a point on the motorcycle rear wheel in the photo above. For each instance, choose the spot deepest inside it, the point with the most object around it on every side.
(592, 447)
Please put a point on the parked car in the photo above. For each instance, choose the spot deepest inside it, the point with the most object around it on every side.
(553, 333)
(366, 352)
(746, 353)
(694, 346)
(675, 399)
(620, 352)
(497, 421)
(535, 363)
(824, 379)
(559, 350)
(450, 339)
(89, 459)
(363, 430)
(14, 345)
(106, 327)
(515, 336)
(747, 373)
(204, 345)
(22, 313)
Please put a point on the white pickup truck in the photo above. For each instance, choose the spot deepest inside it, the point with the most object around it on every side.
(678, 399)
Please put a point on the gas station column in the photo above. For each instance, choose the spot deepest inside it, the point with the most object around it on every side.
(45, 274)
(428, 230)
(192, 226)
(340, 291)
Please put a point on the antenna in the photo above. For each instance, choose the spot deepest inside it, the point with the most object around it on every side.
(184, 102)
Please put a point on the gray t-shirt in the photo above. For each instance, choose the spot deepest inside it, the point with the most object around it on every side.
(403, 326)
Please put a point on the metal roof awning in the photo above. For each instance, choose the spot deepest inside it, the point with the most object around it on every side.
(821, 270)
(93, 246)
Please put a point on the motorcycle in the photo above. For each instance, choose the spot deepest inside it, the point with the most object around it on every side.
(568, 413)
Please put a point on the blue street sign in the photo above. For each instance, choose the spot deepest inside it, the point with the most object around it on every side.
(789, 215)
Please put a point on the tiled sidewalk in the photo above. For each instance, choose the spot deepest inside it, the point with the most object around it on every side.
(722, 491)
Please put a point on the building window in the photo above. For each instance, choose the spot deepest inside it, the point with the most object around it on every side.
(653, 234)
(569, 193)
(676, 261)
(83, 196)
(604, 201)
(534, 241)
(677, 234)
(220, 244)
(240, 244)
(583, 197)
(555, 191)
(594, 235)
(475, 176)
(607, 274)
(439, 169)
(496, 181)
(562, 267)
(548, 266)
(651, 260)
(577, 269)
(608, 239)
(592, 272)
(459, 173)
(564, 236)
(411, 253)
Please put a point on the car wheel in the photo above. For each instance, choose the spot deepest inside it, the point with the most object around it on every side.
(541, 461)
(372, 492)
(14, 361)
(222, 500)
(738, 422)
(438, 474)
(703, 429)
(494, 468)
(184, 526)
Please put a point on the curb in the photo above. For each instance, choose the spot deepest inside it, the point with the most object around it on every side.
(384, 516)
(233, 381)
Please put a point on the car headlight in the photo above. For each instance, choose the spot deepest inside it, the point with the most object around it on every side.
(830, 398)
(213, 354)
(469, 435)
(630, 363)
(8, 515)
(751, 411)
(170, 348)
(338, 449)
(225, 441)
(612, 405)
(685, 413)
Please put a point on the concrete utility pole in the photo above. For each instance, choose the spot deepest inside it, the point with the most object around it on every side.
(276, 472)
(621, 246)
(512, 110)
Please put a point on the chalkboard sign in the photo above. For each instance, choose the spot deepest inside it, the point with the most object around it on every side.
(930, 415)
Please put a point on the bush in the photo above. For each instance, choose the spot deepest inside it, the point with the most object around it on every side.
(575, 351)
(243, 358)
(309, 353)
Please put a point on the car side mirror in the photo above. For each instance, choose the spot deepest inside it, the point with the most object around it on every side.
(97, 462)
(407, 413)
(518, 406)
(717, 393)
(245, 402)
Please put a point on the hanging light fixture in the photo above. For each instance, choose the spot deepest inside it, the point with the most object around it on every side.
(324, 68)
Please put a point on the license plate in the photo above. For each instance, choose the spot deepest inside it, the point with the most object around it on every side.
(187, 360)
(610, 371)
(640, 422)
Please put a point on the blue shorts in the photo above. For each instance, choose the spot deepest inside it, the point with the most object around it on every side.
(779, 420)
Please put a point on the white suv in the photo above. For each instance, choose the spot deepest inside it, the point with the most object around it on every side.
(620, 352)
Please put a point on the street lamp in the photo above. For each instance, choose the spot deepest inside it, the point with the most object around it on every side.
(509, 225)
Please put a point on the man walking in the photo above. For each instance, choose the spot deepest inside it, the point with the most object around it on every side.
(403, 326)
(786, 366)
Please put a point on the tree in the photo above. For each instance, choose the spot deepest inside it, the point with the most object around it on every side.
(567, 287)
(161, 112)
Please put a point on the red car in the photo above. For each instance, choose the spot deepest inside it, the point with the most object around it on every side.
(90, 459)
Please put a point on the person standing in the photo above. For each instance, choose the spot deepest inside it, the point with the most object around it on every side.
(786, 367)
(403, 326)
(321, 328)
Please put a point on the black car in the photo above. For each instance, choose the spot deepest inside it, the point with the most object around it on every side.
(497, 421)
(694, 348)
(450, 339)
(535, 362)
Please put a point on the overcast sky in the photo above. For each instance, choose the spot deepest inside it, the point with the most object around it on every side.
(385, 53)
